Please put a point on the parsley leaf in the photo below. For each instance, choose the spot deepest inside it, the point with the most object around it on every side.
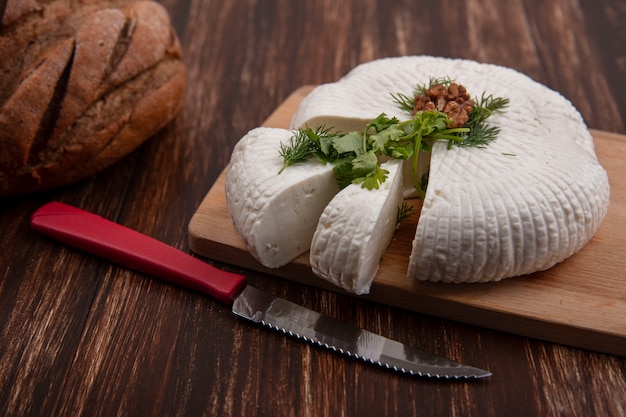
(350, 142)
(372, 180)
(364, 164)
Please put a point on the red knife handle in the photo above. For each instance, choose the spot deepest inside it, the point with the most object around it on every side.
(119, 244)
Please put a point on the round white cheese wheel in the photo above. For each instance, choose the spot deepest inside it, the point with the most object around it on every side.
(527, 201)
(355, 230)
(275, 214)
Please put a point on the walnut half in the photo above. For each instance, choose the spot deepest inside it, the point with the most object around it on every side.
(454, 101)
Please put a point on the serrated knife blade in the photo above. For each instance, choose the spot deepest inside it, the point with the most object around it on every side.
(119, 244)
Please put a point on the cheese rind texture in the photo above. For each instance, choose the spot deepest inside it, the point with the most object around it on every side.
(275, 214)
(355, 230)
(530, 199)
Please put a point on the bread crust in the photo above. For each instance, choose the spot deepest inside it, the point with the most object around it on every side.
(86, 84)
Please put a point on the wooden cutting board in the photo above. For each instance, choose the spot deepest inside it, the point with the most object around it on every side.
(580, 302)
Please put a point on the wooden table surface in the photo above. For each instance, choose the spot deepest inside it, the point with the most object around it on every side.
(81, 337)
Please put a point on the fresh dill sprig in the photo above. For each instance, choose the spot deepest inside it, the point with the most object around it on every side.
(481, 134)
(404, 212)
(403, 101)
(432, 81)
(303, 144)
(424, 179)
(407, 103)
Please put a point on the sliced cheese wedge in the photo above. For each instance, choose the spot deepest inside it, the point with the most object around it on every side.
(505, 211)
(355, 230)
(275, 214)
(529, 200)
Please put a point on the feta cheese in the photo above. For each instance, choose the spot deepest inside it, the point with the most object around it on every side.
(354, 231)
(275, 214)
(529, 200)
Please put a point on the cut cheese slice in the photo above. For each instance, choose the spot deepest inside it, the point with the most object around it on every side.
(275, 214)
(529, 200)
(354, 231)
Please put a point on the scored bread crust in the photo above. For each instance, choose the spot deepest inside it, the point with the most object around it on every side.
(83, 84)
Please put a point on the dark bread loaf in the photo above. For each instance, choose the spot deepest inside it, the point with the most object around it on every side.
(81, 85)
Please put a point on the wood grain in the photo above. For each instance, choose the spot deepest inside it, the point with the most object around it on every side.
(81, 337)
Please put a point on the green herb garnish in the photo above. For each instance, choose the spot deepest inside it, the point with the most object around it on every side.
(303, 144)
(355, 155)
(481, 134)
(404, 212)
(407, 103)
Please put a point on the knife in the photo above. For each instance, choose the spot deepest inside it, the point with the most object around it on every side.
(114, 242)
